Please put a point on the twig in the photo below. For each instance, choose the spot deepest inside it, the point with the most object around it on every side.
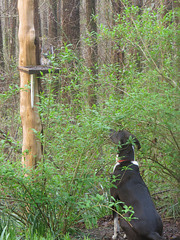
(160, 192)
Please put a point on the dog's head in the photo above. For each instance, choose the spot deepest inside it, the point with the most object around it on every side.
(125, 141)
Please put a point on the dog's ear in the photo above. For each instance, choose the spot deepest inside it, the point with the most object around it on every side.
(137, 143)
(114, 136)
(117, 137)
(135, 140)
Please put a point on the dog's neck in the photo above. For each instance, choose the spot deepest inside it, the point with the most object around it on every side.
(119, 161)
(124, 160)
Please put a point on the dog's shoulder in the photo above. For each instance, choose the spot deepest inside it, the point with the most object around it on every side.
(127, 174)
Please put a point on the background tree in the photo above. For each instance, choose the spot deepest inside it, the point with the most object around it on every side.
(89, 48)
(1, 44)
(70, 35)
(53, 22)
(118, 55)
(70, 22)
(13, 22)
(44, 16)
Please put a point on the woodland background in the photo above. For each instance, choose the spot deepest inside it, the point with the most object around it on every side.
(118, 65)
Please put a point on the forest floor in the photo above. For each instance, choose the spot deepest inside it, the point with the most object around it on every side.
(104, 231)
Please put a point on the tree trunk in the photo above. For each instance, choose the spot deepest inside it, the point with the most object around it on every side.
(118, 54)
(118, 57)
(37, 26)
(12, 36)
(58, 18)
(70, 22)
(31, 150)
(44, 18)
(1, 44)
(5, 8)
(104, 13)
(91, 48)
(53, 22)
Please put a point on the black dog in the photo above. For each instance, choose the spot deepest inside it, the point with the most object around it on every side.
(130, 189)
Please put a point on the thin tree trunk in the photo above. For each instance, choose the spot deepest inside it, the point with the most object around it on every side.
(12, 37)
(92, 49)
(53, 21)
(58, 18)
(70, 23)
(6, 37)
(44, 18)
(104, 17)
(118, 57)
(135, 52)
(1, 45)
(37, 25)
(31, 150)
(118, 54)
